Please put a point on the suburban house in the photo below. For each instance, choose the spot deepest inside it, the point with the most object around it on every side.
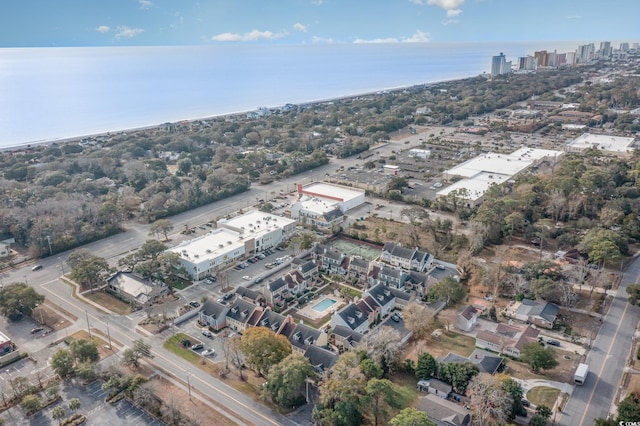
(302, 336)
(409, 259)
(213, 314)
(486, 362)
(252, 296)
(296, 283)
(269, 319)
(320, 359)
(542, 314)
(435, 387)
(507, 339)
(331, 261)
(383, 296)
(358, 268)
(351, 317)
(444, 412)
(402, 298)
(307, 268)
(276, 291)
(392, 277)
(344, 338)
(238, 315)
(466, 318)
(370, 308)
(418, 283)
(134, 288)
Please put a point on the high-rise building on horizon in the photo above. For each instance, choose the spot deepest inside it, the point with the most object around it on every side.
(542, 58)
(605, 50)
(571, 58)
(527, 63)
(585, 53)
(499, 65)
(624, 47)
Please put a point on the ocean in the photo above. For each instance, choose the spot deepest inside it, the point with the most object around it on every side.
(49, 94)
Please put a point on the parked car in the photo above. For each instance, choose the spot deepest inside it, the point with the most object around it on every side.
(207, 333)
(36, 267)
(246, 277)
(36, 330)
(526, 403)
(194, 303)
(208, 352)
(228, 296)
(197, 346)
(553, 343)
(395, 317)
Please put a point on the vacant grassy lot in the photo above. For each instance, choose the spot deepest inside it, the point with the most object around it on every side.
(110, 302)
(543, 395)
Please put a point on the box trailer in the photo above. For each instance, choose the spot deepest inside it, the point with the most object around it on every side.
(581, 374)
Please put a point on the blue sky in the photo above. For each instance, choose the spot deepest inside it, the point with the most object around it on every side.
(28, 23)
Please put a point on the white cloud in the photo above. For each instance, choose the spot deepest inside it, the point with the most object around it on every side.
(145, 4)
(574, 17)
(451, 6)
(454, 12)
(417, 37)
(376, 40)
(299, 27)
(317, 2)
(126, 32)
(250, 36)
(322, 40)
(103, 29)
(450, 22)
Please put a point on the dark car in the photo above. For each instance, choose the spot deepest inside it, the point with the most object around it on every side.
(395, 317)
(194, 303)
(36, 330)
(228, 296)
(526, 403)
(197, 346)
(553, 343)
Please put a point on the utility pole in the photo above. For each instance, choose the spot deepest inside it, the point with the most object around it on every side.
(109, 336)
(49, 241)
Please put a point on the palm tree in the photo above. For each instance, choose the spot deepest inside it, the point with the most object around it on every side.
(58, 413)
(74, 404)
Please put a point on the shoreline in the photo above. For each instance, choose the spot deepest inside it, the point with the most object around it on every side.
(63, 140)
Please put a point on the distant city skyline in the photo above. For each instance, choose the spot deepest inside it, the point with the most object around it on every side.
(44, 23)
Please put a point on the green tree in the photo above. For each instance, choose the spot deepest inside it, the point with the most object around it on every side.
(161, 226)
(514, 389)
(371, 369)
(62, 362)
(411, 417)
(30, 403)
(449, 290)
(132, 356)
(74, 404)
(84, 350)
(427, 366)
(263, 348)
(603, 245)
(381, 393)
(629, 409)
(538, 357)
(58, 413)
(90, 271)
(287, 380)
(457, 374)
(18, 299)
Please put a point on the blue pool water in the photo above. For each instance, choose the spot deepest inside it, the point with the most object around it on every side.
(323, 305)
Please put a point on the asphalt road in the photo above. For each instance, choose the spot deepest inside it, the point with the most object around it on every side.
(607, 358)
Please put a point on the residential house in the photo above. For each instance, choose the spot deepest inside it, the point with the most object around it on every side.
(296, 283)
(135, 289)
(239, 314)
(269, 319)
(252, 296)
(507, 339)
(307, 268)
(466, 318)
(213, 314)
(418, 283)
(435, 387)
(542, 314)
(392, 277)
(358, 268)
(402, 298)
(351, 317)
(444, 412)
(276, 291)
(344, 338)
(329, 260)
(370, 308)
(486, 362)
(383, 296)
(302, 336)
(409, 259)
(320, 359)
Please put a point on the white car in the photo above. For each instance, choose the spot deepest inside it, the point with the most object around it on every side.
(246, 278)
(208, 352)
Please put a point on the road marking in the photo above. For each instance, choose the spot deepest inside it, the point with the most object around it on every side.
(160, 355)
(604, 364)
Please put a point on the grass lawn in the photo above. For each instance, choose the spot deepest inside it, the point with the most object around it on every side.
(110, 302)
(173, 344)
(543, 395)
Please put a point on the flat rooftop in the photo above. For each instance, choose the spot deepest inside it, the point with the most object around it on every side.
(476, 186)
(332, 191)
(210, 246)
(510, 164)
(317, 205)
(255, 222)
(603, 142)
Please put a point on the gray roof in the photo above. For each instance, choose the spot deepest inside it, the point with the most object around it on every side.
(440, 385)
(399, 294)
(277, 284)
(248, 293)
(304, 336)
(444, 411)
(307, 266)
(390, 272)
(398, 251)
(333, 214)
(214, 309)
(353, 316)
(320, 358)
(533, 308)
(360, 263)
(241, 310)
(348, 334)
(272, 320)
(381, 294)
(486, 361)
(467, 312)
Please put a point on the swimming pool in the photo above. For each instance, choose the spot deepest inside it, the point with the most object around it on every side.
(323, 305)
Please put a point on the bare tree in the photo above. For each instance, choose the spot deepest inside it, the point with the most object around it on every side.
(490, 403)
(419, 319)
(598, 278)
(237, 357)
(384, 346)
